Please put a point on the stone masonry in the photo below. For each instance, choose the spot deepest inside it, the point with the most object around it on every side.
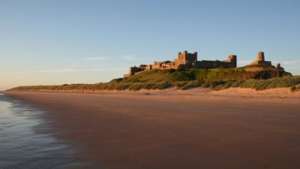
(261, 59)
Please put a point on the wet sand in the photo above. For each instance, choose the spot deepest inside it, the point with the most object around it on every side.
(22, 147)
(155, 130)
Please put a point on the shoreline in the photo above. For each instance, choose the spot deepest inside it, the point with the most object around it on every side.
(24, 140)
(175, 129)
(276, 94)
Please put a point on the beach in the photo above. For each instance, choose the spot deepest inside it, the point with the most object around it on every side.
(198, 128)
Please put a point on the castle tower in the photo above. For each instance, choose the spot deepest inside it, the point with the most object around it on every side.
(185, 58)
(261, 56)
(185, 52)
(232, 59)
(179, 54)
(261, 59)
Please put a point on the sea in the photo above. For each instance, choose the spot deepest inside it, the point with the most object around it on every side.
(22, 145)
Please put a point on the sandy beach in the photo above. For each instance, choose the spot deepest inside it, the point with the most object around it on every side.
(197, 128)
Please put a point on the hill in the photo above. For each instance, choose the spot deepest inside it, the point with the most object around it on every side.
(217, 74)
(258, 77)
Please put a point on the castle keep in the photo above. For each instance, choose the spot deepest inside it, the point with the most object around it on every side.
(261, 59)
(185, 60)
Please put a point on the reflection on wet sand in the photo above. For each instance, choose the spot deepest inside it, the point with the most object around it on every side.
(23, 148)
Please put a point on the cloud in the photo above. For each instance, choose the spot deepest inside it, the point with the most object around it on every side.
(293, 62)
(56, 71)
(115, 69)
(66, 61)
(102, 70)
(91, 70)
(96, 58)
(72, 70)
(77, 70)
(128, 57)
(149, 58)
(244, 62)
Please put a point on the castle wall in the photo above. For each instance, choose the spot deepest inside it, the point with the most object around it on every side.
(156, 65)
(149, 67)
(213, 64)
(232, 60)
(261, 62)
(133, 70)
(229, 63)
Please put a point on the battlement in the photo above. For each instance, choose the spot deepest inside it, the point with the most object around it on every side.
(186, 58)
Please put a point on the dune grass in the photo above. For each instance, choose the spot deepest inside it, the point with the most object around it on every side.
(262, 84)
(217, 74)
(283, 82)
(216, 79)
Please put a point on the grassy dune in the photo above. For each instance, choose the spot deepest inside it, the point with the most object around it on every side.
(220, 74)
(216, 79)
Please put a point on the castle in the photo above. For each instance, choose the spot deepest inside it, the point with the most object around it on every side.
(187, 60)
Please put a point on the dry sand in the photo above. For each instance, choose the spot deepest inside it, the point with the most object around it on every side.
(191, 129)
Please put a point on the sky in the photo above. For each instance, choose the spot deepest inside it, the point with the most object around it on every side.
(54, 42)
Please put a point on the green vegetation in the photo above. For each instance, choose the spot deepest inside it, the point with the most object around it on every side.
(263, 65)
(216, 79)
(219, 74)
